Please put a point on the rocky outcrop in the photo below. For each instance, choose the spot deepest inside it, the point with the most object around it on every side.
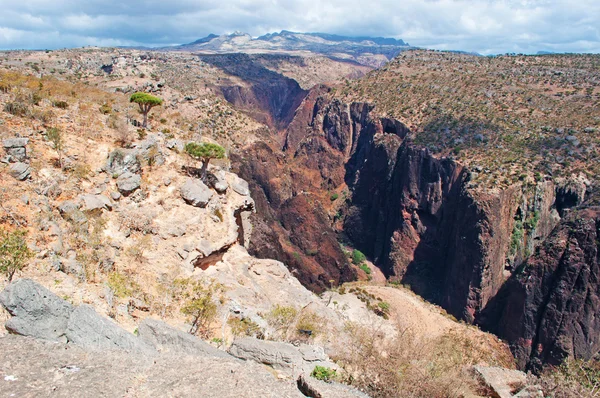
(548, 309)
(280, 356)
(35, 311)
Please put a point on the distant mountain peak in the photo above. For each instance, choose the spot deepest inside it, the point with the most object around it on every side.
(372, 51)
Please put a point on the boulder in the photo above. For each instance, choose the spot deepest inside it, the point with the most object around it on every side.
(16, 149)
(95, 202)
(195, 193)
(128, 182)
(36, 311)
(69, 210)
(175, 144)
(86, 328)
(71, 266)
(218, 181)
(167, 339)
(20, 171)
(122, 161)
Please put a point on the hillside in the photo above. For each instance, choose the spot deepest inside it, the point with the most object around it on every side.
(348, 196)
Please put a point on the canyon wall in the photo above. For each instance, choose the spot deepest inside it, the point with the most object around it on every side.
(416, 215)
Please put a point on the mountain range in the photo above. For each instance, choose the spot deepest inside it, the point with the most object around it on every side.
(373, 51)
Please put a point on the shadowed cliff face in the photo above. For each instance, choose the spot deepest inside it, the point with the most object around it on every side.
(548, 310)
(267, 96)
(415, 215)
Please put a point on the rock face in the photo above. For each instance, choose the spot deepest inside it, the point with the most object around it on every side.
(127, 183)
(121, 161)
(548, 309)
(195, 193)
(43, 369)
(89, 330)
(167, 339)
(281, 356)
(35, 311)
(504, 382)
(95, 202)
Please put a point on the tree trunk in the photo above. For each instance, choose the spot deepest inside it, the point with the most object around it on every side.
(145, 123)
(203, 170)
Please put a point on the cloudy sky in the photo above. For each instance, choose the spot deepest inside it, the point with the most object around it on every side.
(484, 26)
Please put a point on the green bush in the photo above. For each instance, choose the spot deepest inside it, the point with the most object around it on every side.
(14, 252)
(323, 373)
(334, 197)
(358, 257)
(365, 268)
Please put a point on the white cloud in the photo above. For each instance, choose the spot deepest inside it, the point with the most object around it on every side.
(485, 26)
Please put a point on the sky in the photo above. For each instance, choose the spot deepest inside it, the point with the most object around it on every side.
(483, 26)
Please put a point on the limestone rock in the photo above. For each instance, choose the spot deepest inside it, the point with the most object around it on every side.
(128, 182)
(240, 186)
(95, 202)
(281, 356)
(195, 193)
(16, 149)
(167, 339)
(504, 382)
(36, 311)
(218, 181)
(88, 329)
(122, 161)
(20, 171)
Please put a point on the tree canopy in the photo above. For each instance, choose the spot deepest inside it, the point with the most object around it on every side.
(204, 152)
(146, 102)
(14, 252)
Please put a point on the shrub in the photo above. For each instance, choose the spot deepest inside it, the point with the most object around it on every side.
(105, 109)
(281, 318)
(334, 197)
(358, 257)
(199, 305)
(60, 104)
(14, 252)
(245, 327)
(365, 268)
(323, 373)
(16, 108)
(119, 284)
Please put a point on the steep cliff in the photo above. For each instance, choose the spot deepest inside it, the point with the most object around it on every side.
(548, 309)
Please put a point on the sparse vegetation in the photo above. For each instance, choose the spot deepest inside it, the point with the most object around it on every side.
(324, 373)
(14, 252)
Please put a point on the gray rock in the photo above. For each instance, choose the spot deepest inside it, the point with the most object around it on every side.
(281, 356)
(20, 171)
(95, 202)
(218, 182)
(69, 210)
(167, 339)
(16, 149)
(19, 142)
(530, 392)
(240, 186)
(54, 369)
(115, 195)
(167, 181)
(71, 266)
(195, 193)
(312, 387)
(504, 382)
(128, 182)
(35, 310)
(89, 330)
(122, 161)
